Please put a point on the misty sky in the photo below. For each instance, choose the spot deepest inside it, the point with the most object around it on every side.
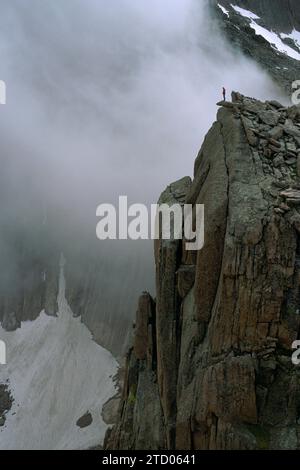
(111, 97)
(107, 98)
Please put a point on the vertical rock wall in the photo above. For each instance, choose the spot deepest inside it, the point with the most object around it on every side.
(211, 364)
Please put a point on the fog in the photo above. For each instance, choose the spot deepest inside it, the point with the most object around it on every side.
(107, 98)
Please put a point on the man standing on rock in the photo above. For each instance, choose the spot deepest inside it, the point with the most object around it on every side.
(224, 94)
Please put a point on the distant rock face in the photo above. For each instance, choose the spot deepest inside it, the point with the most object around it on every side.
(280, 16)
(30, 253)
(211, 363)
(29, 280)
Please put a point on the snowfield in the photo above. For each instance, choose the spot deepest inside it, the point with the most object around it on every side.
(226, 12)
(56, 373)
(245, 13)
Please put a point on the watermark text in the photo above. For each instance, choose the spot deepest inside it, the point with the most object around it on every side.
(2, 353)
(296, 353)
(2, 92)
(163, 221)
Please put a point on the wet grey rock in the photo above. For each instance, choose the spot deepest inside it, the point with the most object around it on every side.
(291, 161)
(294, 131)
(275, 104)
(291, 146)
(276, 132)
(110, 410)
(270, 118)
(278, 161)
(85, 420)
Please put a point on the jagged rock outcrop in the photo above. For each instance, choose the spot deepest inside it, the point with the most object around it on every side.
(211, 363)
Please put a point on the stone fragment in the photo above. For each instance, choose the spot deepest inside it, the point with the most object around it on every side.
(250, 134)
(291, 161)
(284, 207)
(275, 149)
(277, 210)
(275, 143)
(270, 118)
(267, 152)
(85, 420)
(290, 193)
(278, 161)
(291, 147)
(293, 112)
(292, 130)
(276, 132)
(275, 104)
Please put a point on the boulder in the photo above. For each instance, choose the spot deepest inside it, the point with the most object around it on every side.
(85, 420)
(270, 118)
(275, 104)
(276, 132)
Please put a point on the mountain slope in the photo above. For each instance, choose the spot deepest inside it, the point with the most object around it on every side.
(266, 31)
(279, 15)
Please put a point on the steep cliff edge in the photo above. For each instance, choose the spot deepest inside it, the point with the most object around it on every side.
(210, 367)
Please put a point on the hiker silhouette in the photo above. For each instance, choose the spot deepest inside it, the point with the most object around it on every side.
(224, 94)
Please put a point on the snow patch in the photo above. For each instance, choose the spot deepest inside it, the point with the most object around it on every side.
(226, 12)
(56, 373)
(245, 13)
(294, 35)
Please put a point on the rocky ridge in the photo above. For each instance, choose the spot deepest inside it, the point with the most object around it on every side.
(210, 366)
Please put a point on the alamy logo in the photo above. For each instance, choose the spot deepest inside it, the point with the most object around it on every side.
(2, 92)
(296, 354)
(2, 353)
(163, 222)
(296, 94)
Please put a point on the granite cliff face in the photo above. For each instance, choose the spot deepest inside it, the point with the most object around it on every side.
(210, 366)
